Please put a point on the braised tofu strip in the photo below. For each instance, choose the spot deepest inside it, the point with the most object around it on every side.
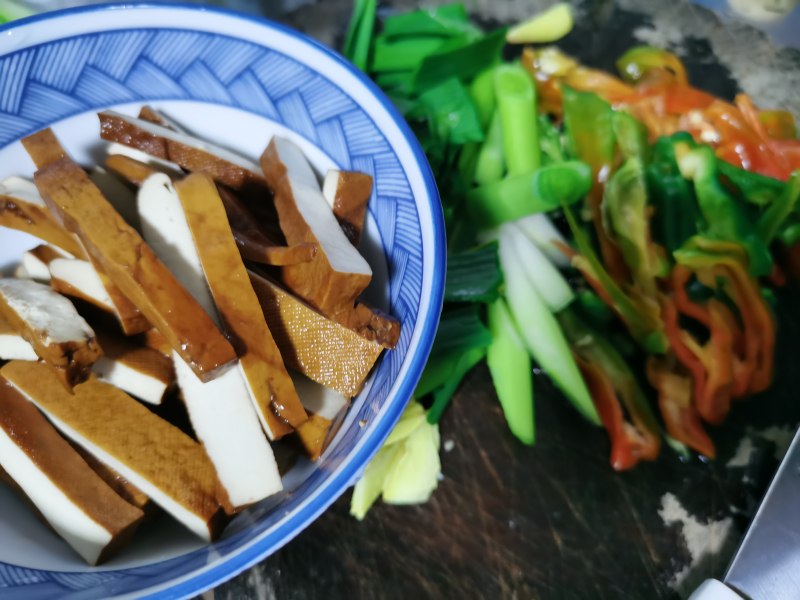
(222, 411)
(12, 345)
(124, 488)
(74, 500)
(133, 267)
(141, 372)
(36, 261)
(22, 208)
(326, 409)
(78, 279)
(269, 383)
(50, 323)
(348, 193)
(190, 153)
(153, 455)
(337, 274)
(319, 348)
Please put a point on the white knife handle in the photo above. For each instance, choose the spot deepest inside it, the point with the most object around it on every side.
(711, 589)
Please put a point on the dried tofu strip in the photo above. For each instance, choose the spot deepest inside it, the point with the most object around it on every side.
(372, 324)
(78, 279)
(50, 323)
(156, 457)
(268, 380)
(332, 281)
(152, 115)
(74, 500)
(190, 153)
(326, 409)
(348, 193)
(131, 170)
(124, 488)
(121, 197)
(130, 318)
(22, 208)
(37, 261)
(141, 372)
(154, 339)
(222, 413)
(321, 349)
(131, 264)
(12, 345)
(254, 244)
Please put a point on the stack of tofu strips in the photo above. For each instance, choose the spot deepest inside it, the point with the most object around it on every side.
(186, 308)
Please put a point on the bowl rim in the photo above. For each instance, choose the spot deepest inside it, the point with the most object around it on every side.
(347, 473)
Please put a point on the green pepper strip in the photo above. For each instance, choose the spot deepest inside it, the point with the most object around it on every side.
(677, 215)
(588, 120)
(644, 324)
(725, 219)
(625, 209)
(753, 187)
(770, 222)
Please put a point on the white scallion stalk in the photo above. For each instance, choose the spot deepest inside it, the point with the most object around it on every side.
(541, 231)
(542, 334)
(550, 284)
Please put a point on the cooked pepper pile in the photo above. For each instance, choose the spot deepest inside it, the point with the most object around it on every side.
(623, 233)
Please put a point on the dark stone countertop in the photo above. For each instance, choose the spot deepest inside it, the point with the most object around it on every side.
(554, 521)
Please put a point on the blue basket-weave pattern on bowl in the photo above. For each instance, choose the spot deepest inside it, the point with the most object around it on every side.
(41, 85)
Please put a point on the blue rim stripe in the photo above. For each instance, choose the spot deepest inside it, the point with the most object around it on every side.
(338, 483)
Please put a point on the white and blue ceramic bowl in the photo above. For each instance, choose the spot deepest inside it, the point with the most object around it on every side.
(235, 80)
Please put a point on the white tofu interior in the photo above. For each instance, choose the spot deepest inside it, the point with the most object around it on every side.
(222, 411)
(35, 267)
(165, 229)
(45, 310)
(24, 189)
(141, 385)
(318, 399)
(118, 194)
(14, 347)
(225, 420)
(143, 157)
(81, 275)
(329, 186)
(80, 531)
(188, 140)
(316, 211)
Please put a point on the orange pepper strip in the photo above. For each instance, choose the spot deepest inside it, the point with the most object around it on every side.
(674, 400)
(758, 323)
(726, 334)
(629, 443)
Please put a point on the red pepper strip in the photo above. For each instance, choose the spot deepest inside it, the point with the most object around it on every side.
(769, 151)
(685, 356)
(628, 444)
(714, 400)
(717, 262)
(675, 402)
(758, 324)
(723, 328)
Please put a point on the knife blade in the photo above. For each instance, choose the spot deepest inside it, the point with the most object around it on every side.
(767, 563)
